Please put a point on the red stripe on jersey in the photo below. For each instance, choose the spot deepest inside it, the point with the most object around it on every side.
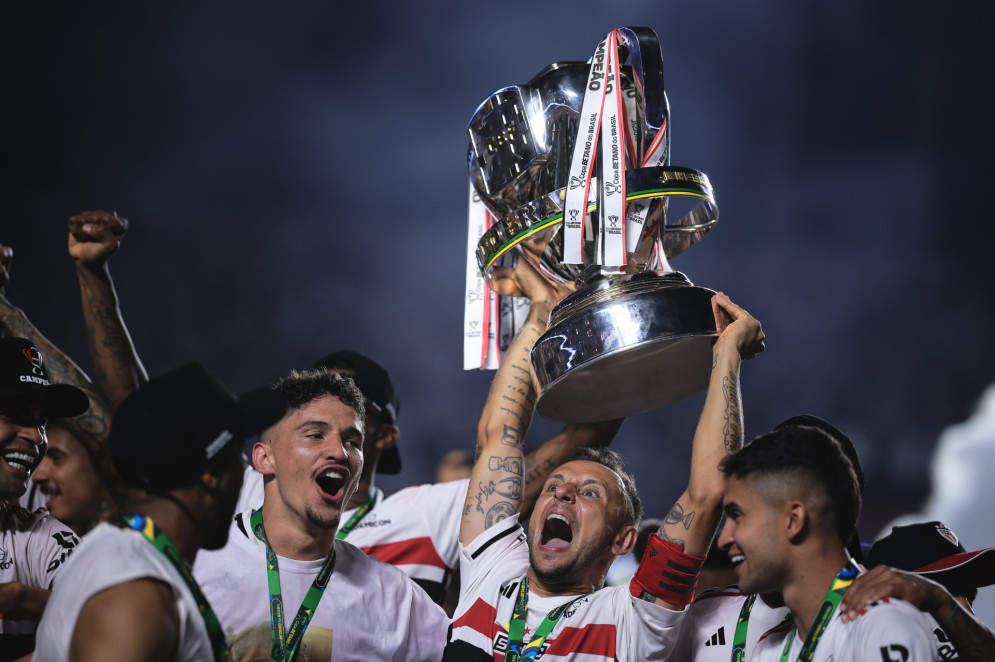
(414, 551)
(594, 639)
(480, 617)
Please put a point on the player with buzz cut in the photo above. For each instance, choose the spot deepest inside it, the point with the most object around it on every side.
(542, 594)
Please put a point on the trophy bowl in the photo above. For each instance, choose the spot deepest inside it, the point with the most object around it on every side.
(624, 345)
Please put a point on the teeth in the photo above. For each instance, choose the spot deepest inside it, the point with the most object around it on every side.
(736, 559)
(333, 474)
(20, 461)
(558, 516)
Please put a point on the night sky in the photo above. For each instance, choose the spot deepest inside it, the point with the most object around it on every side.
(296, 183)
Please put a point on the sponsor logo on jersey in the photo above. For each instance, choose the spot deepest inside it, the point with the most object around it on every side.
(718, 638)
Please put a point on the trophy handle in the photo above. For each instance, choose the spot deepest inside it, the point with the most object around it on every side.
(646, 60)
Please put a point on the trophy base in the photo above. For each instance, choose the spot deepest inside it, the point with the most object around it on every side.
(624, 345)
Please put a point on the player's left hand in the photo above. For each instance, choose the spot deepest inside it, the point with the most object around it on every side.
(737, 326)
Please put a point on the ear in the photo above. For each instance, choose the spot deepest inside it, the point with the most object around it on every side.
(796, 519)
(262, 458)
(624, 540)
(387, 436)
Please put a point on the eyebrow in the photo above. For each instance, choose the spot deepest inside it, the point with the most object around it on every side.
(587, 481)
(307, 424)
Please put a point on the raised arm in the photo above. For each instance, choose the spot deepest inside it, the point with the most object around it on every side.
(92, 427)
(93, 237)
(692, 520)
(496, 482)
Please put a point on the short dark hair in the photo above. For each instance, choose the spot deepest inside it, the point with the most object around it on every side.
(302, 386)
(612, 460)
(811, 455)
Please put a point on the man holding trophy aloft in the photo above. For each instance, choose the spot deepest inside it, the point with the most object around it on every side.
(634, 335)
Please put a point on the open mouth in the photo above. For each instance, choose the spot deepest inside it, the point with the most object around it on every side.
(20, 461)
(736, 559)
(557, 533)
(332, 481)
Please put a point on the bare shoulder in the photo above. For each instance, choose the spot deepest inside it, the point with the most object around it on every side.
(136, 620)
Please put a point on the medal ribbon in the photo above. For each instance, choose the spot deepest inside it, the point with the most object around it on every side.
(739, 638)
(516, 629)
(360, 513)
(285, 644)
(742, 623)
(477, 299)
(582, 161)
(825, 614)
(152, 533)
(612, 178)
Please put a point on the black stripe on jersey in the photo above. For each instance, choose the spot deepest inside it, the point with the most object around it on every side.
(492, 541)
(241, 525)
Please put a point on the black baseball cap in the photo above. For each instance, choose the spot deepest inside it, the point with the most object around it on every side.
(165, 434)
(932, 549)
(374, 382)
(24, 378)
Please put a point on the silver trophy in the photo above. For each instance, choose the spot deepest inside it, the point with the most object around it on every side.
(635, 335)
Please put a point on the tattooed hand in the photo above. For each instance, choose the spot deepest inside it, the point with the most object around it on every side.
(737, 326)
(94, 236)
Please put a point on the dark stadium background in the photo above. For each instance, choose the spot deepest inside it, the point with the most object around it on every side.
(295, 179)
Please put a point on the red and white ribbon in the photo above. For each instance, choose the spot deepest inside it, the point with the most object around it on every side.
(477, 299)
(612, 178)
(635, 219)
(608, 114)
(582, 160)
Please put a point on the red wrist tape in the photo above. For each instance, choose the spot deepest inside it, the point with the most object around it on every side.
(666, 572)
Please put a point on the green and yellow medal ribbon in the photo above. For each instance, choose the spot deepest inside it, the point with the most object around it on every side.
(285, 641)
(360, 513)
(152, 533)
(516, 629)
(832, 600)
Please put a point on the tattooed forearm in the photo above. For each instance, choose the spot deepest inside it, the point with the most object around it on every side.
(512, 463)
(972, 639)
(509, 488)
(510, 436)
(678, 516)
(535, 471)
(663, 534)
(732, 427)
(499, 511)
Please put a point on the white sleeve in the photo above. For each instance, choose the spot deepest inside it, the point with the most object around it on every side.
(503, 544)
(46, 549)
(646, 631)
(428, 626)
(441, 509)
(898, 633)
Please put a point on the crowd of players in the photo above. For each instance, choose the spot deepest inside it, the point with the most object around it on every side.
(182, 523)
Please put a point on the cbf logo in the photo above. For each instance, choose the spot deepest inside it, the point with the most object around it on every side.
(501, 645)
